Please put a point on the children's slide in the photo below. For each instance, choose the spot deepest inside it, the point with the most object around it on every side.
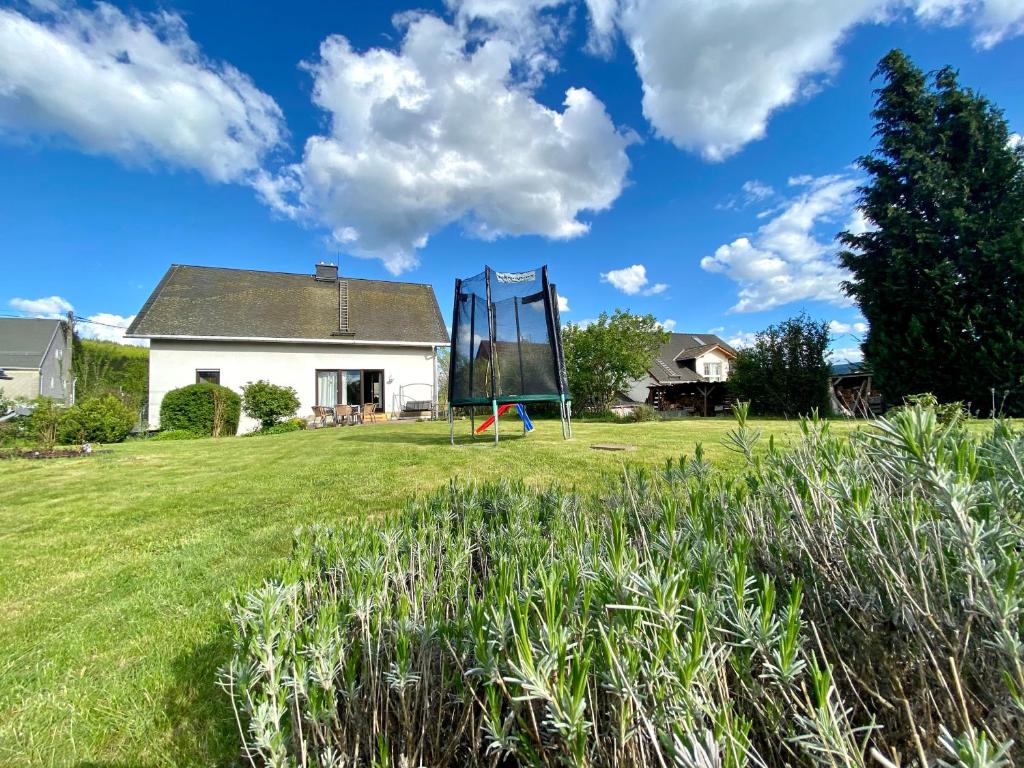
(501, 412)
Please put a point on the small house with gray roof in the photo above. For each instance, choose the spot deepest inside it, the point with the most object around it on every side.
(336, 340)
(35, 359)
(688, 374)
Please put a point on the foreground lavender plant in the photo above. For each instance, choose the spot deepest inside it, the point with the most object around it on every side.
(848, 602)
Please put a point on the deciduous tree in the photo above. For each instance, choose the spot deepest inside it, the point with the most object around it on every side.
(606, 355)
(785, 371)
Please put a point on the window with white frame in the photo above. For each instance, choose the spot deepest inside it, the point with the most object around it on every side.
(712, 370)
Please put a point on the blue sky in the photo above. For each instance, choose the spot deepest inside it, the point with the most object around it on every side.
(688, 158)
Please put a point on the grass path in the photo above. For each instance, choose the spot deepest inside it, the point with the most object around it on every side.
(114, 569)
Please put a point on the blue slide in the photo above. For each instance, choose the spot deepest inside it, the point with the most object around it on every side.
(522, 415)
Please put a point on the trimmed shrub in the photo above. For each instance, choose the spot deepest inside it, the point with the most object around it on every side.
(268, 403)
(847, 602)
(206, 409)
(176, 434)
(102, 419)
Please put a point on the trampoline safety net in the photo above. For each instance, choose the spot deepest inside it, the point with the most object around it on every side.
(506, 340)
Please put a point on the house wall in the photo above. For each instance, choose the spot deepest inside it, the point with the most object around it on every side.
(408, 371)
(52, 379)
(55, 379)
(23, 383)
(638, 390)
(714, 356)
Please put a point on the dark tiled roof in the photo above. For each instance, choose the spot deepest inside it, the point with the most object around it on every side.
(242, 303)
(667, 368)
(24, 341)
(850, 369)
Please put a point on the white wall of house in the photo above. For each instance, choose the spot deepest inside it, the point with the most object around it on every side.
(713, 365)
(408, 371)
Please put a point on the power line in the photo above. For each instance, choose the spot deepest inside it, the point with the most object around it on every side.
(77, 319)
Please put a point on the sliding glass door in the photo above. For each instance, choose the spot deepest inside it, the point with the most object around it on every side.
(349, 387)
(327, 388)
(352, 392)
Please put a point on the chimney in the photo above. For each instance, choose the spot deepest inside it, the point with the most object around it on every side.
(325, 272)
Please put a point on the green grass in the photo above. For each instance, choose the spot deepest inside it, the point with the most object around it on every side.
(114, 569)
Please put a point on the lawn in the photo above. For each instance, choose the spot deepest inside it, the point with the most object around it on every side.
(114, 569)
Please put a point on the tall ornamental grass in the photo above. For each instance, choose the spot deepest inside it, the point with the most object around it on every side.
(849, 601)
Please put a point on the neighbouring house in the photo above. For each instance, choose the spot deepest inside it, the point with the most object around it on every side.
(35, 355)
(688, 374)
(335, 340)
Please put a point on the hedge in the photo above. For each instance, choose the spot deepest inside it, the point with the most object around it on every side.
(193, 408)
(102, 419)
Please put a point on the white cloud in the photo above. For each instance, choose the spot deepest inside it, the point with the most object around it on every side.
(108, 327)
(753, 191)
(47, 306)
(845, 355)
(756, 191)
(668, 325)
(134, 87)
(841, 328)
(533, 30)
(714, 71)
(742, 339)
(442, 131)
(992, 20)
(785, 260)
(717, 329)
(1016, 140)
(103, 325)
(632, 281)
(563, 304)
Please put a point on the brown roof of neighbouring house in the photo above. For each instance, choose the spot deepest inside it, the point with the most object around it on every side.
(242, 303)
(667, 367)
(25, 340)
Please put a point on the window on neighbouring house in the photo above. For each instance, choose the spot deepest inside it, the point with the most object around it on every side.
(207, 376)
(713, 370)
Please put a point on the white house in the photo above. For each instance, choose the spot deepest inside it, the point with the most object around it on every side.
(333, 339)
(688, 373)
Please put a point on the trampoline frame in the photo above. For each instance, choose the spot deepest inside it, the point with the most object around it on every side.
(553, 320)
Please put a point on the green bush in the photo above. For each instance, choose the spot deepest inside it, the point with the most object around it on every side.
(643, 412)
(292, 425)
(268, 403)
(849, 597)
(206, 409)
(43, 424)
(102, 419)
(175, 434)
(953, 414)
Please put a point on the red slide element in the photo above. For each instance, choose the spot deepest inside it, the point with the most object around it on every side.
(490, 419)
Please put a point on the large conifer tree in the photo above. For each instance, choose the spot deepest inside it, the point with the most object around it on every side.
(940, 277)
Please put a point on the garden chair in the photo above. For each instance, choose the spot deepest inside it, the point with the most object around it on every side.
(369, 412)
(343, 414)
(321, 413)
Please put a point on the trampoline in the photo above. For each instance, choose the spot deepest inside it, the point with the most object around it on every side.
(506, 346)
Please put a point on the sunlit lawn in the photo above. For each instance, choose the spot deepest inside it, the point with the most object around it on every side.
(114, 568)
